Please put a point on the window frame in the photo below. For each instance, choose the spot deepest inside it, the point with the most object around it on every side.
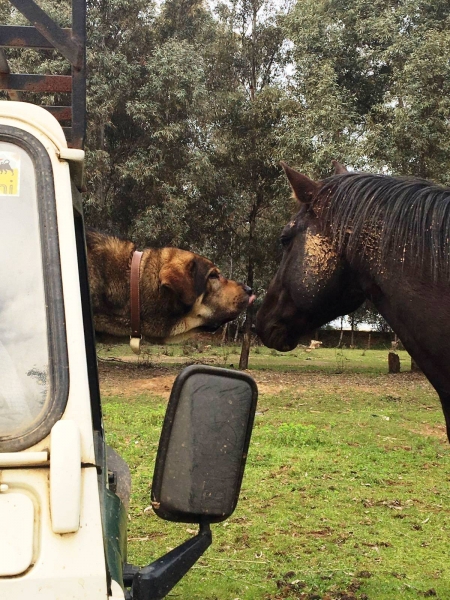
(58, 365)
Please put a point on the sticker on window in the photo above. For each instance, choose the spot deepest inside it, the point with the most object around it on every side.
(9, 174)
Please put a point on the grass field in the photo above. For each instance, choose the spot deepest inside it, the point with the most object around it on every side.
(346, 491)
(324, 360)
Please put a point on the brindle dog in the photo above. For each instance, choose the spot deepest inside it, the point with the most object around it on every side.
(180, 291)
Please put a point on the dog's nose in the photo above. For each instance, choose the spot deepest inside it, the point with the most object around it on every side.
(247, 289)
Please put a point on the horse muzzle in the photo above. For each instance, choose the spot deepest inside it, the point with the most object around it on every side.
(275, 336)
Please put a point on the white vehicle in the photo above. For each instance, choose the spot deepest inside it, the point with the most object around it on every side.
(63, 492)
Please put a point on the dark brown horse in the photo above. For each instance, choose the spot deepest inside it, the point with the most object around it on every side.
(359, 236)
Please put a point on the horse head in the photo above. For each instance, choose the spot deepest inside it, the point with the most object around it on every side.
(361, 235)
(314, 283)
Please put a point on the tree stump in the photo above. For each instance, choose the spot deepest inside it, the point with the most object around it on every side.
(394, 362)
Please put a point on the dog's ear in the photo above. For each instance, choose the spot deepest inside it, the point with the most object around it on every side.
(186, 279)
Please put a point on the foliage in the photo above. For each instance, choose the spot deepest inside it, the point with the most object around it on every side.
(373, 79)
(367, 313)
(191, 107)
(183, 145)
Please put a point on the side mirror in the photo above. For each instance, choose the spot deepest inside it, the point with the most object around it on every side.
(199, 467)
(203, 445)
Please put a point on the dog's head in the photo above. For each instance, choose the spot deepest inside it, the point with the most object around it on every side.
(193, 295)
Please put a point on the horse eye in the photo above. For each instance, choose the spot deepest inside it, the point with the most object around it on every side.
(284, 240)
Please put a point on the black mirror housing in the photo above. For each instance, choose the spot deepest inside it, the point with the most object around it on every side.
(203, 445)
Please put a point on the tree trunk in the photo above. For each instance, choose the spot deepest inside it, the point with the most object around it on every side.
(394, 362)
(258, 199)
(247, 339)
(341, 337)
(224, 333)
(245, 350)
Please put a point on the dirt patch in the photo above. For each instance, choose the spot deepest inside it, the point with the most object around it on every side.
(438, 431)
(119, 378)
(159, 386)
(124, 378)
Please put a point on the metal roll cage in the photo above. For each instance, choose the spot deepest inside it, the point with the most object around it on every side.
(44, 33)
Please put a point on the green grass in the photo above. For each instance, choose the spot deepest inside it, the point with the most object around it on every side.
(346, 491)
(328, 360)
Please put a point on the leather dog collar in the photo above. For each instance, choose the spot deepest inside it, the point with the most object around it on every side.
(135, 304)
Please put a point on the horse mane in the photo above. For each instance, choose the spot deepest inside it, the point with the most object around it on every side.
(403, 217)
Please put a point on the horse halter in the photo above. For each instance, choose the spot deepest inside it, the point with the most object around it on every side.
(135, 303)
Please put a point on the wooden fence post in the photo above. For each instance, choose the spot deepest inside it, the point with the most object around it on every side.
(394, 362)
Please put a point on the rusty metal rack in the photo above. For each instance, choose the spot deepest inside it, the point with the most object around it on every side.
(44, 33)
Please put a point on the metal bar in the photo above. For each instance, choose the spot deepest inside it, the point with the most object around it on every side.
(18, 36)
(68, 134)
(36, 83)
(78, 109)
(4, 69)
(45, 33)
(58, 37)
(158, 578)
(61, 113)
(79, 76)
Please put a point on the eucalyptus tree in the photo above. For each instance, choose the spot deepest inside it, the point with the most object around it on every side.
(249, 113)
(373, 78)
(119, 39)
(408, 129)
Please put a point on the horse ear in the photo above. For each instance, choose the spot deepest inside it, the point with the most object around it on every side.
(304, 188)
(339, 168)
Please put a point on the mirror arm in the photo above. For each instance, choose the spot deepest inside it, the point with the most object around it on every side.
(155, 581)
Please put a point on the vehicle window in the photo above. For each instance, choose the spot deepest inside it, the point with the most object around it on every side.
(24, 352)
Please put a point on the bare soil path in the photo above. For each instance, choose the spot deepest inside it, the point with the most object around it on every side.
(126, 378)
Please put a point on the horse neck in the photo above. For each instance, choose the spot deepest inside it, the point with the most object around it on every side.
(418, 310)
(395, 295)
